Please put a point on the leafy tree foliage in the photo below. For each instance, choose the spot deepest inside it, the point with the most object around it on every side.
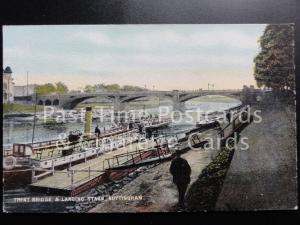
(89, 89)
(46, 89)
(111, 88)
(61, 88)
(274, 65)
(132, 88)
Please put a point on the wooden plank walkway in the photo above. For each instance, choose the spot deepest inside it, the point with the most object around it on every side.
(79, 177)
(92, 168)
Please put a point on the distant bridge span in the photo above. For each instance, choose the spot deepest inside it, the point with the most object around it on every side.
(121, 98)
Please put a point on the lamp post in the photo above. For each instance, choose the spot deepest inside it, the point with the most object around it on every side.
(208, 86)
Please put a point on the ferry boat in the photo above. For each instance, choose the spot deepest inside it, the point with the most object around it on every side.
(19, 160)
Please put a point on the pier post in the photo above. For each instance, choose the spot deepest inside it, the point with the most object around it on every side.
(85, 157)
(89, 172)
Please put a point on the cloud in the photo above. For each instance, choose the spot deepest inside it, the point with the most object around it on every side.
(166, 39)
(230, 39)
(97, 38)
(113, 53)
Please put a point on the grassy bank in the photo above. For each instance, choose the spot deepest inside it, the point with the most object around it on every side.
(204, 192)
(20, 108)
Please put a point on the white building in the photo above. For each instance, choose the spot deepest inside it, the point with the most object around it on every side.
(8, 94)
(20, 91)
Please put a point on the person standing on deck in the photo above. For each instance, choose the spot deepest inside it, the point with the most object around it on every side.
(181, 171)
(228, 116)
(97, 131)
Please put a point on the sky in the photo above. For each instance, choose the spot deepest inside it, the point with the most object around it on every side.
(160, 57)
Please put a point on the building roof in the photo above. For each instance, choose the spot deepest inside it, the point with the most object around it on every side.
(7, 70)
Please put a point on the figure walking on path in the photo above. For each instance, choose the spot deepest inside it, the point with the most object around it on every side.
(97, 131)
(181, 171)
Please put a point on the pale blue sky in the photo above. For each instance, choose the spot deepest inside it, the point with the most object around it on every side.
(166, 56)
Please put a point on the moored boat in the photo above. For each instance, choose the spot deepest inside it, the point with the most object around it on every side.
(59, 154)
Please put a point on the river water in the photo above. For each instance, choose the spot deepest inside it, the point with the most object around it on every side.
(22, 132)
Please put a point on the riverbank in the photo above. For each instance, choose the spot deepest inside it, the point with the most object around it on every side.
(159, 193)
(204, 192)
(264, 176)
(21, 108)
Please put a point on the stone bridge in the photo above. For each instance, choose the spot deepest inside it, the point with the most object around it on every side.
(121, 98)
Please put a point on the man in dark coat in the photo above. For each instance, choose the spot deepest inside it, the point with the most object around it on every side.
(97, 131)
(228, 116)
(181, 171)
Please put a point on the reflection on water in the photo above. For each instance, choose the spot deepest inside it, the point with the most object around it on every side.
(22, 133)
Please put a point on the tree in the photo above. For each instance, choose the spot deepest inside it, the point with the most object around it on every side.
(112, 87)
(100, 87)
(61, 88)
(89, 89)
(45, 89)
(132, 88)
(274, 65)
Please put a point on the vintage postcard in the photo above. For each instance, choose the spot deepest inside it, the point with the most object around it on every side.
(149, 118)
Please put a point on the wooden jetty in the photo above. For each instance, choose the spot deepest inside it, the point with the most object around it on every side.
(114, 165)
(107, 167)
(52, 154)
(84, 176)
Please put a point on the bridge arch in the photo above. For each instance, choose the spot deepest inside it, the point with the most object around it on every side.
(146, 98)
(75, 101)
(48, 102)
(186, 103)
(190, 97)
(56, 102)
(129, 99)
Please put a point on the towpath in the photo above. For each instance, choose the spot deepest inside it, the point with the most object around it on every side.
(155, 185)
